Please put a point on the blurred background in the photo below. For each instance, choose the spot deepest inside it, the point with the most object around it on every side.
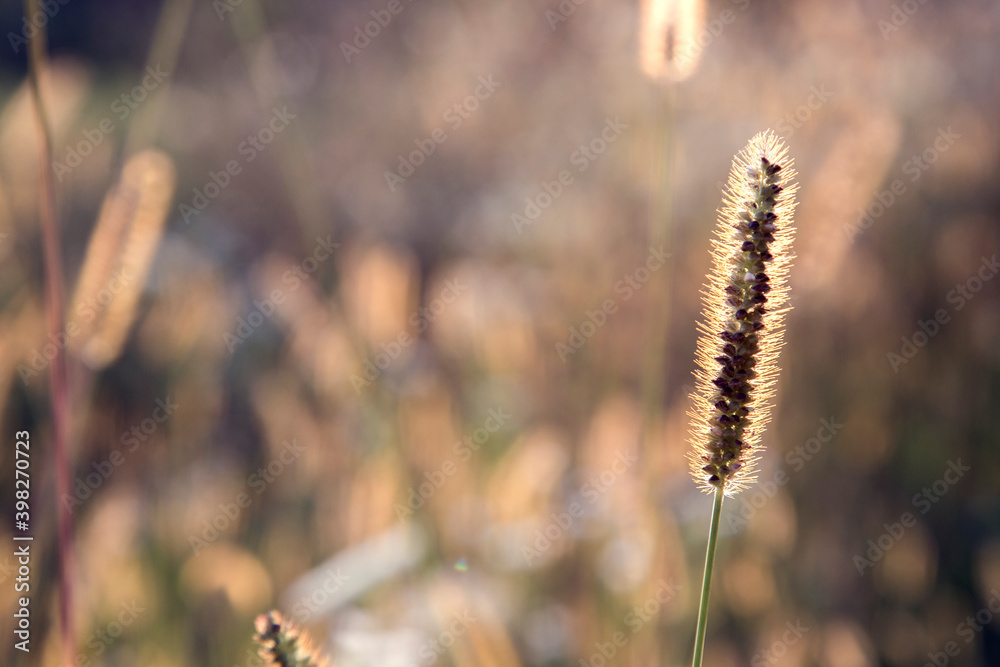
(383, 314)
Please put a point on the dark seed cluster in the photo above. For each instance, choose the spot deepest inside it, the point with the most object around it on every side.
(746, 294)
(283, 645)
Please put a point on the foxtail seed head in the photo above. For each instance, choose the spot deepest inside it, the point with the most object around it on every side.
(743, 317)
(668, 38)
(119, 257)
(283, 645)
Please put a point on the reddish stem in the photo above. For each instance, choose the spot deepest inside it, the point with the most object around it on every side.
(58, 384)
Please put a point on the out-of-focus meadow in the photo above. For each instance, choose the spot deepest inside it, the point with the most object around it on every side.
(410, 357)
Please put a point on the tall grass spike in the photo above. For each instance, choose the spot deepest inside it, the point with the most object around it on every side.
(744, 310)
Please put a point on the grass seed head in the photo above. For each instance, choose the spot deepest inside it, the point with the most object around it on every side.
(744, 310)
(283, 645)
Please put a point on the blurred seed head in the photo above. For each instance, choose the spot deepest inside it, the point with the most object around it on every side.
(380, 292)
(230, 570)
(118, 258)
(668, 33)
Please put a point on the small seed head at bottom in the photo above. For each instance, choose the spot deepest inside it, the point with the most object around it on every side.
(281, 644)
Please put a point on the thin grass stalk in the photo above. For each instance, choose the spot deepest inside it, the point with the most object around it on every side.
(163, 52)
(250, 29)
(653, 373)
(58, 384)
(706, 582)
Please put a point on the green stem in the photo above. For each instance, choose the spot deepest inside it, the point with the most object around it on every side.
(166, 41)
(706, 586)
(653, 372)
